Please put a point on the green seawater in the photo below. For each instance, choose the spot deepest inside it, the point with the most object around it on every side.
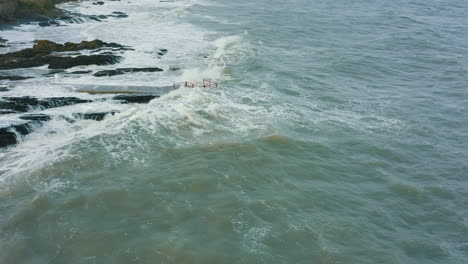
(338, 134)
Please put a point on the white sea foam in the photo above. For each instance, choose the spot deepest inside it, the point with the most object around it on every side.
(185, 116)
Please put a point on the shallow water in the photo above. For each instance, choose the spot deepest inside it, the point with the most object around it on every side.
(338, 135)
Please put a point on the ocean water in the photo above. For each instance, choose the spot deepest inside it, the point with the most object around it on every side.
(338, 134)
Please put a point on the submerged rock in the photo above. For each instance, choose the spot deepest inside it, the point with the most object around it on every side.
(125, 70)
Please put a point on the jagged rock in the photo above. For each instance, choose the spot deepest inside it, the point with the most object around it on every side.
(135, 98)
(69, 62)
(125, 70)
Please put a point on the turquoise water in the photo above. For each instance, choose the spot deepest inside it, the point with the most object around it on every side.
(338, 135)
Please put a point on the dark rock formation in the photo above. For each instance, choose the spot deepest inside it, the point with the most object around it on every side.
(14, 78)
(162, 52)
(23, 104)
(81, 72)
(94, 116)
(119, 14)
(7, 63)
(47, 46)
(125, 70)
(36, 117)
(39, 55)
(69, 62)
(9, 135)
(4, 88)
(135, 98)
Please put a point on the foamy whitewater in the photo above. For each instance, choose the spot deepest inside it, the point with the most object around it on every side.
(337, 135)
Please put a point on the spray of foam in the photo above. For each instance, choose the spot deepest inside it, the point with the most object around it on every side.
(232, 50)
(181, 118)
(197, 75)
(229, 51)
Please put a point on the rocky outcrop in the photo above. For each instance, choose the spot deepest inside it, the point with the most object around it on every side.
(69, 62)
(14, 78)
(41, 54)
(135, 98)
(9, 135)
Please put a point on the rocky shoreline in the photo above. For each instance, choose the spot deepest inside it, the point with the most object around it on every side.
(12, 134)
(57, 57)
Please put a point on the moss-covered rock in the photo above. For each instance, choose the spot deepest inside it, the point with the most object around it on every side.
(41, 54)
